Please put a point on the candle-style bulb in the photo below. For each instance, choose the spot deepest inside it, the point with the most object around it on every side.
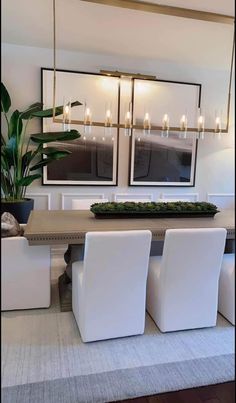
(201, 123)
(165, 126)
(147, 121)
(87, 117)
(183, 123)
(217, 125)
(128, 123)
(183, 127)
(128, 120)
(108, 118)
(165, 122)
(66, 116)
(146, 124)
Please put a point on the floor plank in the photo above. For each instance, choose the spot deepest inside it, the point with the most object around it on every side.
(219, 393)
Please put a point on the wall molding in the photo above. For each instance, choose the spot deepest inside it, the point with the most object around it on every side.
(39, 196)
(192, 196)
(135, 196)
(225, 200)
(70, 196)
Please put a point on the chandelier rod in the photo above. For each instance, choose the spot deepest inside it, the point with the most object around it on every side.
(54, 59)
(230, 83)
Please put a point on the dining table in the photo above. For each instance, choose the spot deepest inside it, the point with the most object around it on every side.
(55, 227)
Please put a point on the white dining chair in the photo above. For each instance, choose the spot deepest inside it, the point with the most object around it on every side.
(85, 204)
(226, 300)
(25, 274)
(109, 286)
(182, 286)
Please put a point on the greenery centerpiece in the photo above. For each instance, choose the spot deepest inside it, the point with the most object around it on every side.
(23, 155)
(153, 209)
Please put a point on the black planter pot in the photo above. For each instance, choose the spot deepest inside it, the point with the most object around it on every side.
(19, 209)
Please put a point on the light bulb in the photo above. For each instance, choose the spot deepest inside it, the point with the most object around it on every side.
(128, 120)
(108, 118)
(165, 122)
(217, 125)
(201, 123)
(183, 123)
(66, 116)
(87, 117)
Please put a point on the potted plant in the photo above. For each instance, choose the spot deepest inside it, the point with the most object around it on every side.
(22, 156)
(153, 209)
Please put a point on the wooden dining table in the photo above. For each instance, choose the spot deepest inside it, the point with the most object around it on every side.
(69, 227)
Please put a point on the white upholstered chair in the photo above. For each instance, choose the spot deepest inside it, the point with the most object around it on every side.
(25, 274)
(84, 204)
(227, 288)
(109, 287)
(182, 286)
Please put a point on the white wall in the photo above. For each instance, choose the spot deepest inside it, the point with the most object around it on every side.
(215, 160)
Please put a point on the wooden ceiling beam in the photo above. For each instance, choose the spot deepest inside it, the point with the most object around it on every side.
(167, 10)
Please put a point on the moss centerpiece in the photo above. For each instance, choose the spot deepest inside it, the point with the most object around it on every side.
(153, 209)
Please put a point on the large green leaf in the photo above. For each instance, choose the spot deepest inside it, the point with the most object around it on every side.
(5, 184)
(4, 162)
(5, 99)
(41, 164)
(54, 151)
(3, 141)
(55, 136)
(9, 151)
(26, 159)
(46, 161)
(48, 113)
(15, 124)
(11, 146)
(27, 180)
(28, 113)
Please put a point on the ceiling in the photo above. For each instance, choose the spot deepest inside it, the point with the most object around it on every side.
(97, 28)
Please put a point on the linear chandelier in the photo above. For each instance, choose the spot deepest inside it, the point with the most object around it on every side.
(147, 127)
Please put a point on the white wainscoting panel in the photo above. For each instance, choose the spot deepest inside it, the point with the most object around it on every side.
(134, 197)
(222, 200)
(191, 197)
(66, 198)
(42, 201)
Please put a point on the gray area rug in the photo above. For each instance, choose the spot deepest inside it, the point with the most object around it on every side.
(125, 384)
(45, 361)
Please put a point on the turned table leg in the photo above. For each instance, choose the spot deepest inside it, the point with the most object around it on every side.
(73, 254)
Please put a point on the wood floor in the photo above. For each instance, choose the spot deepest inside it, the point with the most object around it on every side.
(220, 393)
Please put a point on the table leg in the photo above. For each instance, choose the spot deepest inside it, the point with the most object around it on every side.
(230, 246)
(73, 254)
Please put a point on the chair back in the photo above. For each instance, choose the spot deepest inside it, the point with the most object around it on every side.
(191, 264)
(85, 204)
(115, 270)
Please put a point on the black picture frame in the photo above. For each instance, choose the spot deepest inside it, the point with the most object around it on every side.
(58, 173)
(161, 171)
